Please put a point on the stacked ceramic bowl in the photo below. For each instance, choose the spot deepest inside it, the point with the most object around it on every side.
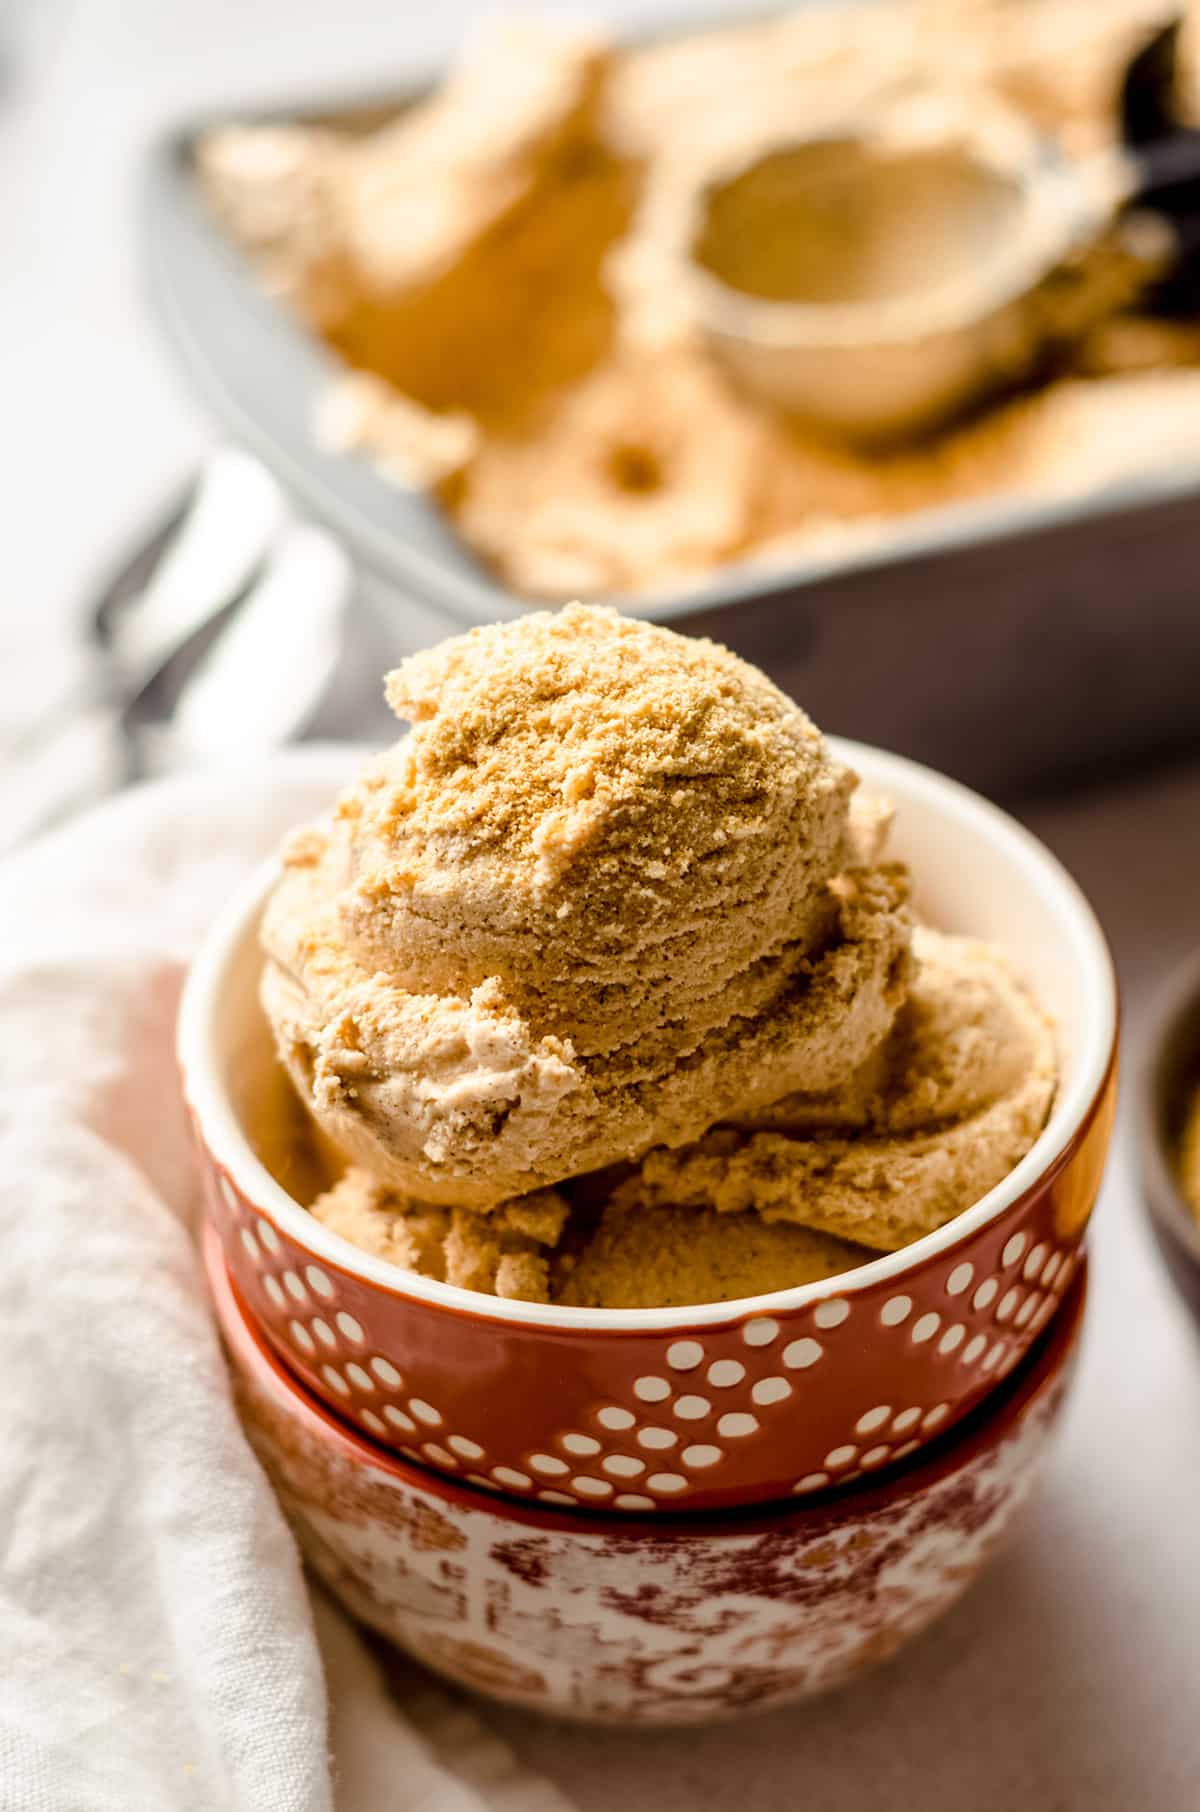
(665, 1514)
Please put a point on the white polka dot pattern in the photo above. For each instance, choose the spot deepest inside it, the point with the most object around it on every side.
(657, 1438)
(736, 1426)
(623, 1465)
(1011, 1254)
(701, 1455)
(702, 1406)
(548, 1464)
(507, 1475)
(587, 1486)
(812, 1481)
(467, 1450)
(831, 1314)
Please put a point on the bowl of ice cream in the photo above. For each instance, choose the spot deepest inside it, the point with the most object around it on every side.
(674, 1619)
(1168, 1113)
(587, 1109)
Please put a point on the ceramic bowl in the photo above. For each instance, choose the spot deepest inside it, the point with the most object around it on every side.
(664, 1620)
(1169, 1073)
(727, 1403)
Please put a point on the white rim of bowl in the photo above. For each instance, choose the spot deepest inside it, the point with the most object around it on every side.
(230, 1147)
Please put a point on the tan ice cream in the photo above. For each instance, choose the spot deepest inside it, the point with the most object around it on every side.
(607, 891)
(611, 907)
(949, 1103)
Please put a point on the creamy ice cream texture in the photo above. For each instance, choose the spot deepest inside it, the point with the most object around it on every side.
(599, 983)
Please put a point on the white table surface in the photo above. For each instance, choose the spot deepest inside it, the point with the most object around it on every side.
(1069, 1681)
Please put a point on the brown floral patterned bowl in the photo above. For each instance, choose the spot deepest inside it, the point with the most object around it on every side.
(659, 1620)
(635, 1410)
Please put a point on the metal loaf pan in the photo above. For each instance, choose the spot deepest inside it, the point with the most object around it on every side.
(1012, 645)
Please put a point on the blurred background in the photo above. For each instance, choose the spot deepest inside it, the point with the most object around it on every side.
(333, 330)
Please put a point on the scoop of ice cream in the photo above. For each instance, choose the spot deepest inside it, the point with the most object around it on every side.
(500, 1254)
(608, 891)
(528, 1249)
(940, 1114)
(650, 1258)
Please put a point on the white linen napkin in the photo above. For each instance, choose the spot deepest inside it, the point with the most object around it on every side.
(157, 1645)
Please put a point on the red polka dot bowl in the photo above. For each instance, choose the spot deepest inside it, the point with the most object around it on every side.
(655, 1620)
(643, 1411)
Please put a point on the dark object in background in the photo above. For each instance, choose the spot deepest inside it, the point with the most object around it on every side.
(1012, 644)
(1169, 152)
(1169, 1075)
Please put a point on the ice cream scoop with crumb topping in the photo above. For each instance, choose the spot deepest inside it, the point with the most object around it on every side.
(608, 890)
(611, 909)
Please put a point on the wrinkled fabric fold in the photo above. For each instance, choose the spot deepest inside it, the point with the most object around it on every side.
(156, 1631)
